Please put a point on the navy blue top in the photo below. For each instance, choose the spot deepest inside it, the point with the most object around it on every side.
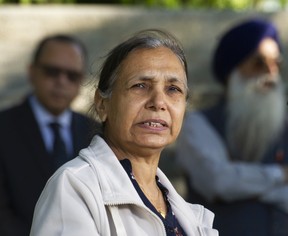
(171, 224)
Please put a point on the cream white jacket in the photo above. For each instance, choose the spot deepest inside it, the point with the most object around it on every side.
(93, 195)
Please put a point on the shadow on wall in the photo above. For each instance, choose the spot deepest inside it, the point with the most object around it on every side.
(101, 28)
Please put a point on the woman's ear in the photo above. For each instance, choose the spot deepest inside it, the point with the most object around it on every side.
(100, 106)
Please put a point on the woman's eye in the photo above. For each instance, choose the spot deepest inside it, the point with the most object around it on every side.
(140, 85)
(175, 89)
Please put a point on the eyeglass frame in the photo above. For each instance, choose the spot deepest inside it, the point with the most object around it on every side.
(54, 71)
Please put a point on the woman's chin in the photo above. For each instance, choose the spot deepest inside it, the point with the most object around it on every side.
(155, 143)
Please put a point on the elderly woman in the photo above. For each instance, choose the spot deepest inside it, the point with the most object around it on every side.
(114, 186)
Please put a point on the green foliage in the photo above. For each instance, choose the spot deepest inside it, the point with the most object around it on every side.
(218, 4)
(25, 2)
(160, 3)
(164, 3)
(221, 4)
(283, 3)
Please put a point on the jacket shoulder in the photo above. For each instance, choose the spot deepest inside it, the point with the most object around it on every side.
(8, 115)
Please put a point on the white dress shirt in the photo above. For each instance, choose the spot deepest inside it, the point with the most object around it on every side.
(44, 118)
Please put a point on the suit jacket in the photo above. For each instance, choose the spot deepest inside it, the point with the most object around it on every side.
(25, 165)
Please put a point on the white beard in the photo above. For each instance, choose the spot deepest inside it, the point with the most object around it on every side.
(255, 118)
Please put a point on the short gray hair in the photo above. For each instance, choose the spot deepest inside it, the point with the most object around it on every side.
(151, 38)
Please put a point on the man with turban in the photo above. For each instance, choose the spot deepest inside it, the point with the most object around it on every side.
(235, 153)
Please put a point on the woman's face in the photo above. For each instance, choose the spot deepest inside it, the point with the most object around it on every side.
(148, 101)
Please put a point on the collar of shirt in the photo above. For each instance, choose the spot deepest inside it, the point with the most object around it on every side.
(44, 117)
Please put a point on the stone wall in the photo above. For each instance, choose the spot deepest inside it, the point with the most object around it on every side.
(102, 27)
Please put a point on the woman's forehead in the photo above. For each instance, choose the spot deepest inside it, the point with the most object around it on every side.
(149, 63)
(150, 58)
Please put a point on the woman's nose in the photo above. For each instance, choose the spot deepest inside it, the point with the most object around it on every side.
(157, 101)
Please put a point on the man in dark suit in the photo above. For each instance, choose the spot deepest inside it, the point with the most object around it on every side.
(28, 144)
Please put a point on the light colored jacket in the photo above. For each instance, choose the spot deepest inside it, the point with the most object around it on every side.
(93, 195)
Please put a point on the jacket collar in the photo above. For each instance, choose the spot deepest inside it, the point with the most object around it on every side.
(118, 189)
(115, 184)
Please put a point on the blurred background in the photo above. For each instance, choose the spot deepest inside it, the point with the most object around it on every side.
(103, 24)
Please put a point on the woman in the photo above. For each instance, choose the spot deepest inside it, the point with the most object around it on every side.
(114, 186)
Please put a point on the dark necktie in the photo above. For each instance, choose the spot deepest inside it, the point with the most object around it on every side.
(59, 152)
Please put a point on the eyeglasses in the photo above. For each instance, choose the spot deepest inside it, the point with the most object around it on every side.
(55, 71)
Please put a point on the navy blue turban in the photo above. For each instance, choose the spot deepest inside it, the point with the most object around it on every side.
(238, 43)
